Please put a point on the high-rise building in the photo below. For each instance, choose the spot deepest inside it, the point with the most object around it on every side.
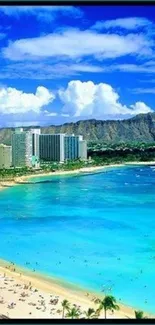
(25, 147)
(62, 147)
(83, 149)
(21, 148)
(52, 147)
(75, 147)
(35, 141)
(71, 147)
(5, 156)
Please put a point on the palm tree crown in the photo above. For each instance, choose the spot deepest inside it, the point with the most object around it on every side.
(90, 313)
(108, 303)
(74, 312)
(139, 314)
(65, 305)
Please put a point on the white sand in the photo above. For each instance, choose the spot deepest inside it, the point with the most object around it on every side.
(45, 291)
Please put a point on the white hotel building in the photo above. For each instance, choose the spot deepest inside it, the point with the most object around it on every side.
(25, 147)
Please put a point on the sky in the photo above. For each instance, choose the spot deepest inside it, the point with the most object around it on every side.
(61, 64)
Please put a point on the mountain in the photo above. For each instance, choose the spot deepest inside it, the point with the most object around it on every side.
(139, 128)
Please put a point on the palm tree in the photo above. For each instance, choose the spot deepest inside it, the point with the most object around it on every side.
(90, 313)
(108, 303)
(65, 305)
(74, 312)
(139, 314)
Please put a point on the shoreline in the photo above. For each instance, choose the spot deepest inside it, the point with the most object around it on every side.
(25, 179)
(85, 170)
(46, 286)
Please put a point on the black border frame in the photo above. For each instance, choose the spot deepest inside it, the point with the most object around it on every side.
(77, 3)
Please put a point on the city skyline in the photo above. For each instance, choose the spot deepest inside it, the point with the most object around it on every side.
(74, 63)
(31, 147)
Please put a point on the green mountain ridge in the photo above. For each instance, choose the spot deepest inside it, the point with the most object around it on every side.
(138, 128)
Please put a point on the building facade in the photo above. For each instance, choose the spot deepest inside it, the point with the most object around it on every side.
(62, 147)
(83, 150)
(5, 156)
(71, 147)
(25, 147)
(52, 147)
(21, 148)
(35, 142)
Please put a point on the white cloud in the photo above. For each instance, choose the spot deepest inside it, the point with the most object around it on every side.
(99, 100)
(143, 90)
(50, 113)
(22, 123)
(13, 101)
(44, 70)
(65, 115)
(129, 23)
(46, 13)
(147, 67)
(85, 68)
(41, 70)
(74, 43)
(140, 107)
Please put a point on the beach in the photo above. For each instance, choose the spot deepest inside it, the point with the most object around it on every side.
(92, 169)
(25, 294)
(25, 179)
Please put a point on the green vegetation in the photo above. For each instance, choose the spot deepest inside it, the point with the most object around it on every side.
(12, 173)
(69, 165)
(73, 313)
(104, 146)
(65, 305)
(108, 303)
(90, 313)
(139, 314)
(122, 153)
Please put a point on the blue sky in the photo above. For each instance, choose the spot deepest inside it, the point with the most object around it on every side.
(62, 63)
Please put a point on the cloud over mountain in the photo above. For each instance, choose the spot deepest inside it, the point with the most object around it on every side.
(99, 100)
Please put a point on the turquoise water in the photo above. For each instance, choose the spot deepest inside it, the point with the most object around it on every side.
(97, 231)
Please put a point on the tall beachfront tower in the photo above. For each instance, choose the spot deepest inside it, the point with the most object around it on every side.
(75, 147)
(25, 147)
(35, 141)
(82, 148)
(52, 147)
(71, 147)
(21, 148)
(5, 156)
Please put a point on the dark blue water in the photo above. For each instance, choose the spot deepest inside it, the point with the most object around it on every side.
(97, 231)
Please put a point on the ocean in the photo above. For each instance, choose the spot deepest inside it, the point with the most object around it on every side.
(96, 231)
